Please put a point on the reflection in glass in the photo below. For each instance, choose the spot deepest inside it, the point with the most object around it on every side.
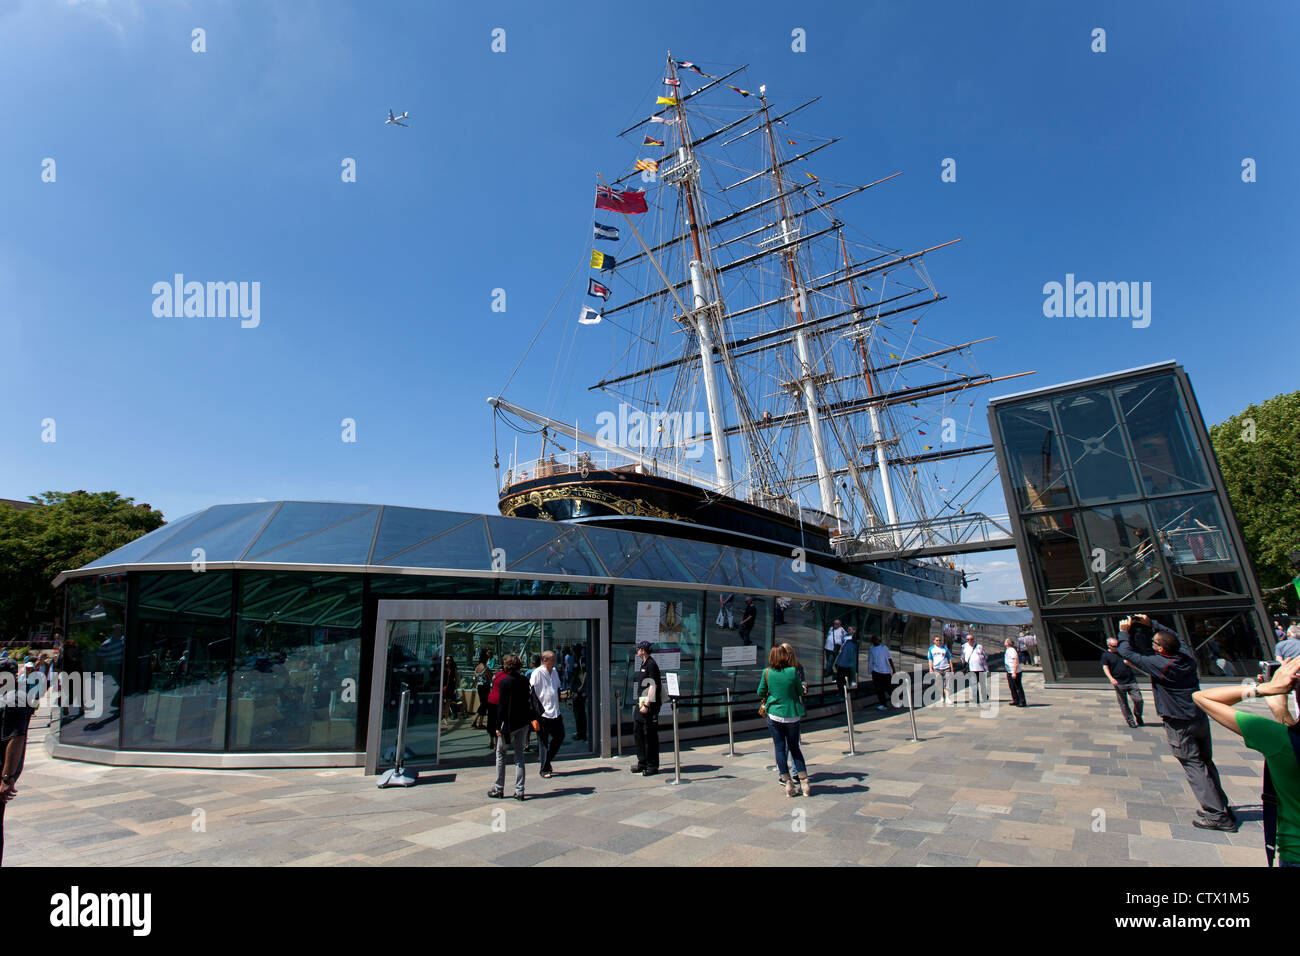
(1227, 642)
(1196, 546)
(1167, 457)
(1076, 646)
(1131, 567)
(298, 651)
(1034, 456)
(1099, 462)
(415, 664)
(179, 663)
(672, 619)
(1057, 559)
(94, 644)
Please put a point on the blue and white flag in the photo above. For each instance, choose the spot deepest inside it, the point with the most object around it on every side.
(589, 316)
(606, 232)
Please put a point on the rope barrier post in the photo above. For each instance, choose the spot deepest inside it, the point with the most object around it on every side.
(618, 721)
(398, 775)
(673, 691)
(731, 728)
(911, 710)
(848, 717)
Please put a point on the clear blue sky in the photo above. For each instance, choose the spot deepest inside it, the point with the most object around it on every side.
(376, 295)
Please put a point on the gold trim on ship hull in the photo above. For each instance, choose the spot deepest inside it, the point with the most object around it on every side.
(538, 497)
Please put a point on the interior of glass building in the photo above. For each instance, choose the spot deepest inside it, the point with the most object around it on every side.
(282, 633)
(1118, 507)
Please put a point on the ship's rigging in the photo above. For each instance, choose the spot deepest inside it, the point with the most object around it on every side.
(741, 297)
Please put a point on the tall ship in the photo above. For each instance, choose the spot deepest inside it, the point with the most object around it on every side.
(769, 380)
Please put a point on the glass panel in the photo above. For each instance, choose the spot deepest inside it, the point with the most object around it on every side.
(222, 532)
(1227, 642)
(565, 553)
(1167, 456)
(1057, 559)
(796, 621)
(95, 644)
(465, 546)
(298, 518)
(1196, 546)
(733, 621)
(679, 627)
(465, 732)
(402, 528)
(1076, 646)
(180, 662)
(297, 656)
(414, 663)
(1034, 456)
(570, 641)
(655, 562)
(430, 586)
(1095, 447)
(699, 557)
(347, 542)
(1131, 566)
(137, 549)
(740, 569)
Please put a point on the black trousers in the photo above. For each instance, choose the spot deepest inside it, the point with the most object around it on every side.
(884, 683)
(580, 716)
(1125, 692)
(1017, 689)
(550, 737)
(645, 730)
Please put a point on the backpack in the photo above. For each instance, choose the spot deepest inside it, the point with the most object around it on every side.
(1268, 798)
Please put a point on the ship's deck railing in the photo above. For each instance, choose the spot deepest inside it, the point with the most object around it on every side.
(584, 462)
(950, 534)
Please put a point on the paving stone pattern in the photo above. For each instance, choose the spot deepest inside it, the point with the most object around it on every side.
(1061, 783)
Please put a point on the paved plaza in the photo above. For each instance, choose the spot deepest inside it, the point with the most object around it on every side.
(1062, 783)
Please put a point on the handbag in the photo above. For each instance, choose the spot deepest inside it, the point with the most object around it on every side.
(762, 707)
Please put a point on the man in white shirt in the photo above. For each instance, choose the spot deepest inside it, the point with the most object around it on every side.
(831, 650)
(882, 671)
(1011, 661)
(941, 667)
(977, 662)
(545, 682)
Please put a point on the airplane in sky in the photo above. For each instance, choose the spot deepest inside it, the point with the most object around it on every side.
(395, 120)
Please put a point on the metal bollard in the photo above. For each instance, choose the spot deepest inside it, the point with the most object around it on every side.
(677, 750)
(911, 710)
(848, 716)
(398, 775)
(731, 729)
(618, 721)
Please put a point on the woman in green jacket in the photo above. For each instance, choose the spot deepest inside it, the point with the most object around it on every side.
(782, 696)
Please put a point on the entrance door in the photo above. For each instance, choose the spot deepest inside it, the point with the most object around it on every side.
(434, 648)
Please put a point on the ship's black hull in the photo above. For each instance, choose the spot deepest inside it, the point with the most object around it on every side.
(639, 501)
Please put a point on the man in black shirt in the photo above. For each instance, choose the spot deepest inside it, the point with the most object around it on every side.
(645, 721)
(1172, 670)
(1124, 681)
(747, 621)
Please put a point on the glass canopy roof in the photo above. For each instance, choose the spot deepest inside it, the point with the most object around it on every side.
(380, 538)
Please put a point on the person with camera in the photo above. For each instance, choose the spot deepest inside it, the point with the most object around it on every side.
(1280, 745)
(1124, 681)
(1174, 681)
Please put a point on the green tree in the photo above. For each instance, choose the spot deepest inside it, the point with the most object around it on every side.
(67, 530)
(1259, 454)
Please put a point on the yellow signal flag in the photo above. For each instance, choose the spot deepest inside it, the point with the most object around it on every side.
(893, 356)
(649, 165)
(666, 101)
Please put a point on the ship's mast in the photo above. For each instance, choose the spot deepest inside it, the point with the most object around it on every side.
(873, 410)
(701, 282)
(806, 382)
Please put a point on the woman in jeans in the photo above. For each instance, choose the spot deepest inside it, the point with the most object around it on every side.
(782, 694)
(514, 717)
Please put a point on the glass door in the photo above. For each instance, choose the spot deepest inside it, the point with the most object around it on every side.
(465, 731)
(415, 661)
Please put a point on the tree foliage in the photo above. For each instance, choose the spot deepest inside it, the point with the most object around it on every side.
(67, 530)
(1259, 454)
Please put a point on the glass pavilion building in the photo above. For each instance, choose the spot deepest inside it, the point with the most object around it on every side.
(281, 633)
(1118, 507)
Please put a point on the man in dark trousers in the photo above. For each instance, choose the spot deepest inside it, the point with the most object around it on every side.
(747, 621)
(1124, 681)
(645, 722)
(1172, 669)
